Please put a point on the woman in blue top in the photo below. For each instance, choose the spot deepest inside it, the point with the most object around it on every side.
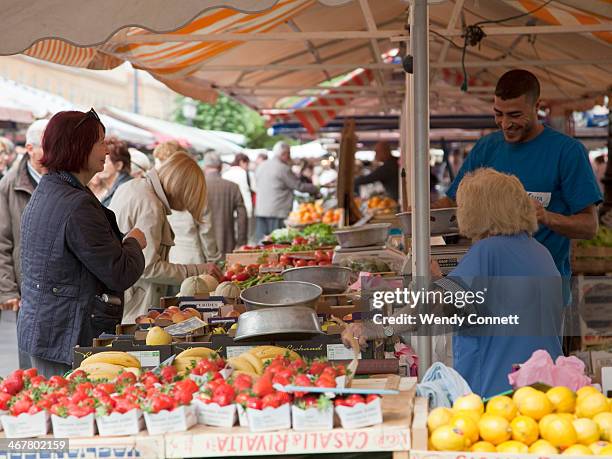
(517, 274)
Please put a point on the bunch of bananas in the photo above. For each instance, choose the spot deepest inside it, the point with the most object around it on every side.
(189, 358)
(108, 364)
(253, 361)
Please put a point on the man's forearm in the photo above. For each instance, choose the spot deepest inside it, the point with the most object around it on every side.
(578, 226)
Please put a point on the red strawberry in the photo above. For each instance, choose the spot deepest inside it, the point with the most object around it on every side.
(325, 381)
(263, 386)
(12, 385)
(57, 381)
(4, 400)
(254, 403)
(354, 399)
(242, 382)
(270, 401)
(30, 373)
(167, 374)
(303, 381)
(224, 395)
(127, 377)
(317, 367)
(20, 405)
(242, 398)
(371, 398)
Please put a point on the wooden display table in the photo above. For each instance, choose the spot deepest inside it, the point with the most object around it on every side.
(392, 435)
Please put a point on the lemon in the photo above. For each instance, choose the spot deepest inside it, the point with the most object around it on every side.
(502, 406)
(577, 450)
(472, 414)
(604, 422)
(483, 447)
(520, 393)
(598, 446)
(471, 402)
(446, 438)
(535, 405)
(587, 431)
(591, 404)
(562, 398)
(605, 451)
(494, 429)
(438, 418)
(525, 430)
(512, 446)
(543, 447)
(466, 424)
(586, 390)
(558, 431)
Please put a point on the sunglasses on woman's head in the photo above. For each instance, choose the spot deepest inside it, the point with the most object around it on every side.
(90, 114)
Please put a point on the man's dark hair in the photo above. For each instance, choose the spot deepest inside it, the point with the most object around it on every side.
(515, 83)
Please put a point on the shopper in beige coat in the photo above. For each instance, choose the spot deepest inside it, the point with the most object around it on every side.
(177, 184)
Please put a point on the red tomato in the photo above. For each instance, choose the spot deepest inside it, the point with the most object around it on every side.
(312, 263)
(241, 276)
(285, 259)
(325, 263)
(299, 263)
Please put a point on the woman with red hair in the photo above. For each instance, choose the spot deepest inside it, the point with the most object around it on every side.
(73, 255)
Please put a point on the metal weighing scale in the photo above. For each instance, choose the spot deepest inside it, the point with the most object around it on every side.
(382, 252)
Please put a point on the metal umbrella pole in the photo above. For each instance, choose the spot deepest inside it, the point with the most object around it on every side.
(419, 47)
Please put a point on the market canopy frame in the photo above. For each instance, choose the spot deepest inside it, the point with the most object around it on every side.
(281, 57)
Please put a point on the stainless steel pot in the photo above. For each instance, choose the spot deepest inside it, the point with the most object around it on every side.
(294, 322)
(441, 222)
(332, 279)
(280, 295)
(363, 236)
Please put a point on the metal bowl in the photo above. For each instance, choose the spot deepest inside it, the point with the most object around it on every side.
(281, 294)
(441, 222)
(295, 322)
(332, 279)
(363, 236)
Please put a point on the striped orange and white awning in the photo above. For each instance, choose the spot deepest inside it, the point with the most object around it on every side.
(316, 119)
(557, 13)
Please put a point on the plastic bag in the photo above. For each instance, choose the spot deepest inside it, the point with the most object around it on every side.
(566, 371)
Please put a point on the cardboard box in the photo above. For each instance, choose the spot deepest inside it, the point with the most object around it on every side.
(73, 427)
(211, 414)
(26, 425)
(149, 356)
(312, 418)
(600, 360)
(269, 419)
(360, 415)
(116, 424)
(180, 419)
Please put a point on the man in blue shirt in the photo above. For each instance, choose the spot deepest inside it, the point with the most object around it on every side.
(553, 167)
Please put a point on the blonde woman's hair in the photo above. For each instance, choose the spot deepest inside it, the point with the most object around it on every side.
(166, 149)
(184, 184)
(491, 203)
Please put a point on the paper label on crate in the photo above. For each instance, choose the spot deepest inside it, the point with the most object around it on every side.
(147, 358)
(235, 351)
(360, 415)
(117, 424)
(339, 352)
(26, 425)
(269, 418)
(312, 419)
(73, 427)
(185, 327)
(178, 420)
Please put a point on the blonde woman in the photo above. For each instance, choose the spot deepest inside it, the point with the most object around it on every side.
(514, 273)
(177, 184)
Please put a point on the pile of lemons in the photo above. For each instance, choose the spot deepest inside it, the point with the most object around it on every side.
(559, 421)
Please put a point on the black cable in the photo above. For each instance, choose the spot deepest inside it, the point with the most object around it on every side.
(474, 34)
(528, 13)
(447, 39)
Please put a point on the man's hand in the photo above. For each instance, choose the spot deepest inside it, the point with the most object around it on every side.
(436, 272)
(139, 236)
(213, 270)
(541, 212)
(354, 331)
(11, 305)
